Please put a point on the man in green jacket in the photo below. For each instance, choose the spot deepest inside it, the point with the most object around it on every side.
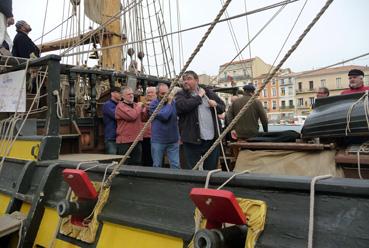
(248, 125)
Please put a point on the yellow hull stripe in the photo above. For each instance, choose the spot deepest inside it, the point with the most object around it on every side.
(113, 235)
(4, 202)
(21, 149)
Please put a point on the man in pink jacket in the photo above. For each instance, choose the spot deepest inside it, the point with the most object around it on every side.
(129, 116)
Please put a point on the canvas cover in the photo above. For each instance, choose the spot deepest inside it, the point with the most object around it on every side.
(290, 163)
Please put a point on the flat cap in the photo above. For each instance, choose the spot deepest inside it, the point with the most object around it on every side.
(249, 87)
(20, 24)
(356, 72)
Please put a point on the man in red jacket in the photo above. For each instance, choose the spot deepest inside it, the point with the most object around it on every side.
(356, 79)
(129, 116)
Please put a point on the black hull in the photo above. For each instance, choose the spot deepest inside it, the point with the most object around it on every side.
(158, 200)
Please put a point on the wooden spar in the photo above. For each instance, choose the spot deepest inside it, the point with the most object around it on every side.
(112, 58)
(65, 43)
(281, 146)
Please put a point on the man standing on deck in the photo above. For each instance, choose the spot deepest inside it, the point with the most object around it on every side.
(356, 82)
(110, 124)
(165, 135)
(6, 20)
(23, 45)
(197, 120)
(248, 124)
(129, 116)
(146, 142)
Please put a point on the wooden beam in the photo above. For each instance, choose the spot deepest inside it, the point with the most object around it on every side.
(282, 146)
(56, 45)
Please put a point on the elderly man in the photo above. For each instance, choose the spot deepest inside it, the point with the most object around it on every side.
(110, 124)
(197, 122)
(248, 124)
(146, 142)
(6, 20)
(356, 82)
(129, 116)
(23, 46)
(165, 135)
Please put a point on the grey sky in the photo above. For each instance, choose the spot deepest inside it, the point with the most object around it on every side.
(339, 35)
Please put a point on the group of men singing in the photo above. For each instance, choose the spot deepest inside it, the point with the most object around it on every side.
(190, 118)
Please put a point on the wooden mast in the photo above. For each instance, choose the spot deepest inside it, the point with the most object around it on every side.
(111, 58)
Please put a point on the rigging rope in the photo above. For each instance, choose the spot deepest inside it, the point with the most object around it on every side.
(270, 76)
(161, 103)
(283, 4)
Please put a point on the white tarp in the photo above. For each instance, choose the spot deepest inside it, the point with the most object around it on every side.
(289, 163)
(13, 91)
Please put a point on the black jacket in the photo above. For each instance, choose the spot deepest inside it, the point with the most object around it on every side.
(6, 8)
(187, 110)
(23, 46)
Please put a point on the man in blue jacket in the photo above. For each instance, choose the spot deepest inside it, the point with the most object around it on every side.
(110, 124)
(197, 109)
(164, 130)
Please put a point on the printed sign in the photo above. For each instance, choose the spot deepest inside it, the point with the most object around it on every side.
(13, 91)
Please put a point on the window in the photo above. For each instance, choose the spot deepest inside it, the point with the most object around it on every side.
(300, 86)
(273, 81)
(283, 104)
(282, 81)
(265, 93)
(290, 91)
(274, 92)
(283, 91)
(265, 104)
(291, 103)
(311, 100)
(274, 105)
(322, 83)
(300, 102)
(311, 85)
(338, 83)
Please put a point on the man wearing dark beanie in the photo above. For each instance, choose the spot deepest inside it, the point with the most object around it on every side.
(356, 82)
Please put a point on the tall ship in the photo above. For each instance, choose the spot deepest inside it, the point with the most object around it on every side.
(59, 189)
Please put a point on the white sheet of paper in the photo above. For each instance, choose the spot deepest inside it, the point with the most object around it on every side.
(13, 91)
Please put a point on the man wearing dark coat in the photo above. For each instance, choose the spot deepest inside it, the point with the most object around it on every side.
(23, 46)
(197, 121)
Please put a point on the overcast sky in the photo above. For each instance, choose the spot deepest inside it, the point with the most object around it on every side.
(340, 34)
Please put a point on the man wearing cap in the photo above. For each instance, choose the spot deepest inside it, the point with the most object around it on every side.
(356, 82)
(6, 20)
(248, 124)
(110, 123)
(23, 46)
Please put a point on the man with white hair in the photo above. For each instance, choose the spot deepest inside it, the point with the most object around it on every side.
(6, 20)
(146, 142)
(129, 116)
(23, 45)
(356, 82)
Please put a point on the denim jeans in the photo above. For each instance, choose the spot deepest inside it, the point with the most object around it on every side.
(193, 153)
(172, 150)
(135, 156)
(111, 147)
